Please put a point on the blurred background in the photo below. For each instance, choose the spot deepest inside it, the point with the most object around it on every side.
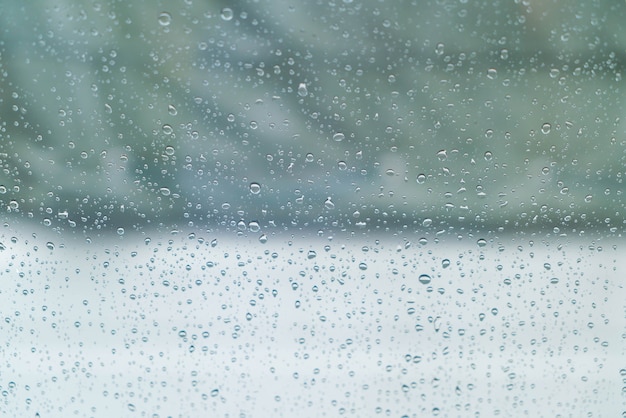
(443, 116)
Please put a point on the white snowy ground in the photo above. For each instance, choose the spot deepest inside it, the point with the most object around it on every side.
(159, 325)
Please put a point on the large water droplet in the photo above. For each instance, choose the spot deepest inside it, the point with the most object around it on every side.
(424, 279)
(339, 137)
(546, 128)
(302, 90)
(255, 188)
(226, 14)
(164, 18)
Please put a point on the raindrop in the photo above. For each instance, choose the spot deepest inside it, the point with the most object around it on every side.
(309, 158)
(427, 222)
(263, 239)
(442, 154)
(120, 231)
(227, 13)
(492, 73)
(172, 110)
(329, 204)
(255, 188)
(488, 156)
(169, 150)
(545, 128)
(445, 263)
(588, 198)
(481, 242)
(363, 266)
(50, 245)
(424, 278)
(311, 254)
(167, 129)
(390, 172)
(302, 91)
(421, 178)
(165, 19)
(339, 137)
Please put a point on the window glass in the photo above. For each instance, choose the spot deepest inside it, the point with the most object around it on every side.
(343, 207)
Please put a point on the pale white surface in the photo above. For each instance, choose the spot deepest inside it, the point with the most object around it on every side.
(91, 329)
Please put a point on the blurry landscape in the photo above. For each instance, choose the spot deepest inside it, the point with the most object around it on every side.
(442, 116)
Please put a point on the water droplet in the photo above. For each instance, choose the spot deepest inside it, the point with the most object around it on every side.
(254, 226)
(390, 172)
(445, 263)
(329, 204)
(309, 158)
(165, 19)
(439, 49)
(481, 242)
(169, 150)
(427, 222)
(50, 245)
(442, 154)
(255, 188)
(421, 178)
(488, 156)
(339, 137)
(424, 279)
(363, 266)
(588, 198)
(492, 73)
(545, 128)
(172, 110)
(215, 392)
(227, 14)
(263, 239)
(554, 280)
(311, 254)
(120, 231)
(167, 129)
(302, 91)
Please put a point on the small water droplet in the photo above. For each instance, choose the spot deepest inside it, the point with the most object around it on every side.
(492, 73)
(421, 178)
(120, 231)
(481, 242)
(427, 222)
(255, 188)
(329, 204)
(363, 266)
(263, 239)
(339, 137)
(169, 150)
(311, 254)
(445, 263)
(442, 154)
(390, 172)
(167, 129)
(488, 156)
(588, 198)
(545, 128)
(50, 245)
(309, 158)
(172, 110)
